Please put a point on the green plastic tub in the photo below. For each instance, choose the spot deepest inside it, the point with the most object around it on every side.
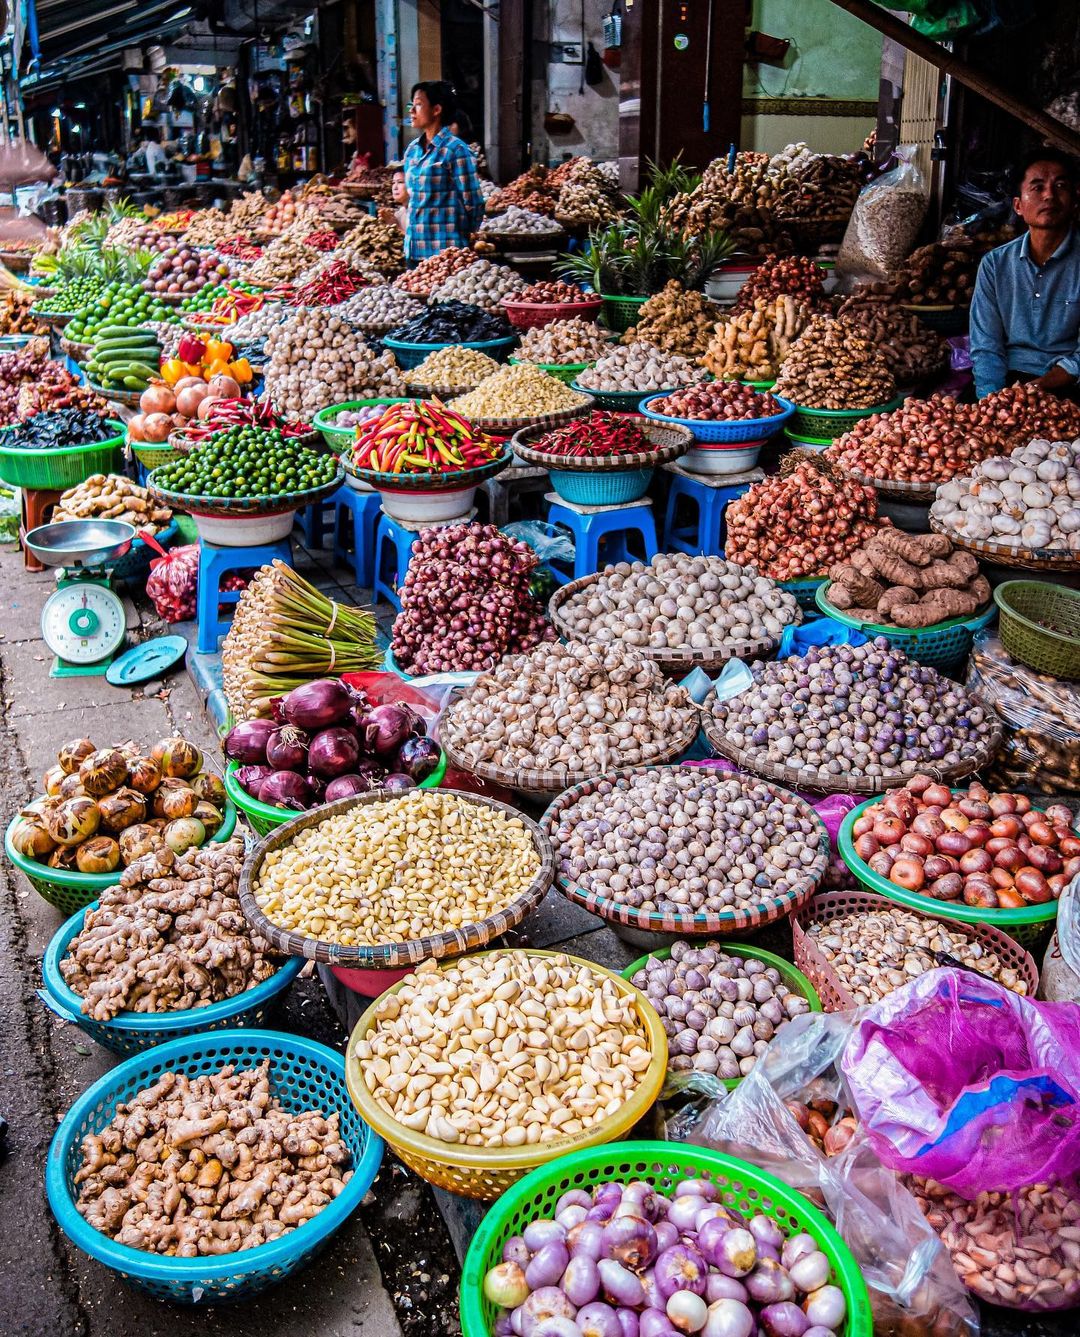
(822, 424)
(1030, 926)
(661, 1164)
(792, 977)
(622, 312)
(62, 468)
(341, 438)
(567, 372)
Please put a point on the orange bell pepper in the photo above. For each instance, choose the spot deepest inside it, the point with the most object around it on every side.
(218, 350)
(218, 367)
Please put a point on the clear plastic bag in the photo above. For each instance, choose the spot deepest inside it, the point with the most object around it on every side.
(1041, 745)
(885, 221)
(914, 1290)
(173, 583)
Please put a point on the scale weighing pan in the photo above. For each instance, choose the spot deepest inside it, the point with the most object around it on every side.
(80, 543)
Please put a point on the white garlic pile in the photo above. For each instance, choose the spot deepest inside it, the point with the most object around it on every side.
(1029, 499)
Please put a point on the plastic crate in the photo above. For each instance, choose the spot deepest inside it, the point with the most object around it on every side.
(60, 469)
(662, 1164)
(132, 1032)
(1030, 926)
(303, 1075)
(725, 433)
(1025, 606)
(411, 355)
(943, 646)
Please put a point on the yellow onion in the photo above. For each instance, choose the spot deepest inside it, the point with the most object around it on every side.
(185, 832)
(122, 809)
(138, 840)
(144, 774)
(72, 755)
(210, 788)
(54, 778)
(103, 771)
(177, 757)
(129, 749)
(100, 855)
(39, 807)
(30, 838)
(157, 824)
(72, 787)
(64, 857)
(174, 798)
(211, 817)
(73, 821)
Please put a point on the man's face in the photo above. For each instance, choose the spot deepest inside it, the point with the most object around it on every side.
(1046, 196)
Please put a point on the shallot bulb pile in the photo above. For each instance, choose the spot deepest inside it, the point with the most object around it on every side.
(632, 1261)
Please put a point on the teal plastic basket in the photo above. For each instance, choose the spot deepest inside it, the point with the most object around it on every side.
(132, 1032)
(600, 487)
(663, 1164)
(805, 591)
(411, 355)
(944, 646)
(134, 566)
(303, 1075)
(62, 468)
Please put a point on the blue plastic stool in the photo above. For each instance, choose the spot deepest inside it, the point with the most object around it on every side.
(607, 526)
(705, 537)
(356, 516)
(215, 562)
(316, 520)
(394, 541)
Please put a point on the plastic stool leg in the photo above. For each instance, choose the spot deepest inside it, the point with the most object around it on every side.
(618, 529)
(213, 564)
(389, 536)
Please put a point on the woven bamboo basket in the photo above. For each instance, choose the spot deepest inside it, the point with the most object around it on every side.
(697, 923)
(1008, 554)
(391, 955)
(674, 662)
(510, 426)
(670, 442)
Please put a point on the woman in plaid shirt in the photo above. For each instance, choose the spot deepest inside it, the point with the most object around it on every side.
(445, 201)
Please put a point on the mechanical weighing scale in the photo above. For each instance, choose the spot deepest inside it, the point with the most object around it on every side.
(83, 622)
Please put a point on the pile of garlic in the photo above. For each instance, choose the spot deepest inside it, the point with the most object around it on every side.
(1029, 499)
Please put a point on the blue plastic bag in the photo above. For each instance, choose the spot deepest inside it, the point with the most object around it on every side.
(796, 640)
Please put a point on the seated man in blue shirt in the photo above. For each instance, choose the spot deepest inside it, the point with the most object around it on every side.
(1025, 311)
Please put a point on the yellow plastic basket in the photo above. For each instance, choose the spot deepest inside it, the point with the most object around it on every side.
(486, 1172)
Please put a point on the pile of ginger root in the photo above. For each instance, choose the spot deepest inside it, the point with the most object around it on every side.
(170, 936)
(209, 1165)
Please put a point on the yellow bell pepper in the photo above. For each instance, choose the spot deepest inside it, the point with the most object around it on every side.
(218, 350)
(241, 371)
(217, 367)
(172, 370)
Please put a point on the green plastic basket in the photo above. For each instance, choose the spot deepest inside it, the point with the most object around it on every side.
(662, 1164)
(1026, 605)
(1030, 926)
(341, 438)
(621, 312)
(815, 443)
(266, 817)
(943, 646)
(792, 977)
(828, 424)
(567, 372)
(60, 469)
(74, 891)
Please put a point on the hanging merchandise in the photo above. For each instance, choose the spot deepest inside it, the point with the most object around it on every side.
(594, 67)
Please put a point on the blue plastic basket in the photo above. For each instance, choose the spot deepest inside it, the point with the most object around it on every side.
(132, 1032)
(725, 433)
(944, 647)
(134, 566)
(600, 487)
(411, 355)
(304, 1075)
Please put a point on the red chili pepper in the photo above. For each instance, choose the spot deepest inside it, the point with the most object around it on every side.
(600, 434)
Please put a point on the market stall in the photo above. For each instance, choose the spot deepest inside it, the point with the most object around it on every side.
(842, 715)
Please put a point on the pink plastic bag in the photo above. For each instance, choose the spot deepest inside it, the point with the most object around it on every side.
(958, 1079)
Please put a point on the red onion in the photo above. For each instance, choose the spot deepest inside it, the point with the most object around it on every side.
(345, 786)
(600, 1320)
(630, 1240)
(318, 704)
(384, 729)
(333, 752)
(286, 748)
(250, 778)
(397, 784)
(285, 789)
(246, 742)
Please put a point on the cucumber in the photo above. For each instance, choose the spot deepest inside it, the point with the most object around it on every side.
(112, 331)
(108, 356)
(132, 340)
(141, 369)
(135, 383)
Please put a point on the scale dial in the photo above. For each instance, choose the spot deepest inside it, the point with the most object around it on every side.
(82, 623)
